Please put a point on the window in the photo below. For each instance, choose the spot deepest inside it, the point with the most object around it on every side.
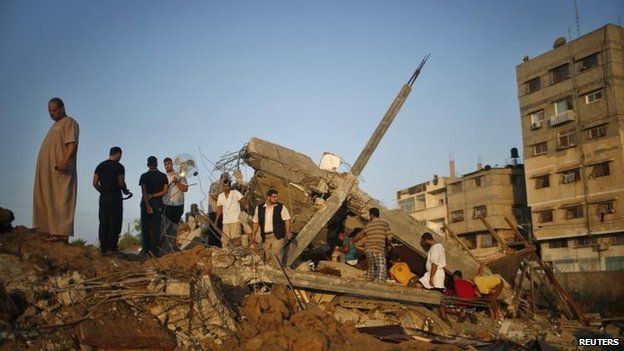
(420, 202)
(597, 132)
(545, 216)
(542, 181)
(533, 85)
(563, 105)
(478, 181)
(407, 205)
(487, 240)
(555, 244)
(617, 239)
(586, 241)
(559, 74)
(574, 212)
(470, 240)
(441, 202)
(615, 263)
(536, 119)
(567, 139)
(588, 62)
(600, 170)
(593, 96)
(479, 211)
(571, 176)
(540, 148)
(456, 188)
(605, 208)
(457, 216)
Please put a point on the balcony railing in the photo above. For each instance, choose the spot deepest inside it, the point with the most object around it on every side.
(561, 118)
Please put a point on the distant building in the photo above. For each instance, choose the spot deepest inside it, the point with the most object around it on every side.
(492, 193)
(426, 202)
(572, 114)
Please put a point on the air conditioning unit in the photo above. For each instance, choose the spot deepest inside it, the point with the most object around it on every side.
(573, 244)
(601, 247)
(536, 125)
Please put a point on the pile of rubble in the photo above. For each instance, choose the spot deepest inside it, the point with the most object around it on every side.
(57, 296)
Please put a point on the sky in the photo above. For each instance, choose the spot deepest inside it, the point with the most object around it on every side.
(168, 77)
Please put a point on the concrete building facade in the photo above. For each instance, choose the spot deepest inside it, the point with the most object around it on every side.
(427, 202)
(490, 193)
(572, 114)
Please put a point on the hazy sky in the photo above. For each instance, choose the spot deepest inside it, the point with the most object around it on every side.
(163, 78)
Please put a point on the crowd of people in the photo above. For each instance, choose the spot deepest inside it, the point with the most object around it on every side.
(162, 206)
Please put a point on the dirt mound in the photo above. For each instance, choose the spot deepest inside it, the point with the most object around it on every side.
(272, 322)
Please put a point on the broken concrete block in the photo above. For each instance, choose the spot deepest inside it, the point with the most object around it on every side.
(222, 260)
(72, 288)
(178, 288)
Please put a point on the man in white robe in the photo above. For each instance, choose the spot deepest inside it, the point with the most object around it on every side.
(55, 191)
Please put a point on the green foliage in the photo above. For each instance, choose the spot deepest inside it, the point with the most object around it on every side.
(78, 242)
(128, 240)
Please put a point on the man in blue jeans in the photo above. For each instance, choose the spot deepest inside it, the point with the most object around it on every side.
(154, 185)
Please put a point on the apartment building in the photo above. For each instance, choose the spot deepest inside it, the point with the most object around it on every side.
(492, 193)
(427, 202)
(572, 113)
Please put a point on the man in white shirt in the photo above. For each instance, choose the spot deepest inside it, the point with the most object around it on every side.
(273, 219)
(173, 204)
(436, 261)
(229, 206)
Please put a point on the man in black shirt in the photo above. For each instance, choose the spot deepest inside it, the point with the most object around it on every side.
(154, 185)
(109, 181)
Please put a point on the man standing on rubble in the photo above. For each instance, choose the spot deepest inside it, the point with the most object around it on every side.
(229, 206)
(273, 219)
(55, 190)
(436, 261)
(375, 235)
(154, 185)
(108, 180)
(173, 203)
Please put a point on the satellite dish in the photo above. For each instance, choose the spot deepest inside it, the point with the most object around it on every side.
(185, 166)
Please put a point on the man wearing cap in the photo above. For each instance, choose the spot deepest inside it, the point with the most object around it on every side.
(154, 185)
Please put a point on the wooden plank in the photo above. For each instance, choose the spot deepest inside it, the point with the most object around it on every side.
(354, 287)
(498, 238)
(518, 288)
(563, 294)
(320, 219)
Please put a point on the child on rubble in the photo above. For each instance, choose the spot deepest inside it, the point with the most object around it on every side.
(347, 249)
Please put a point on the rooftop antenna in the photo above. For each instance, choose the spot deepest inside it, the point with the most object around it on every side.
(578, 23)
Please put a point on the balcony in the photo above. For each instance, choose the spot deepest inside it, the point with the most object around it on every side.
(561, 118)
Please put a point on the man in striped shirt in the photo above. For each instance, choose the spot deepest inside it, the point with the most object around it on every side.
(375, 235)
